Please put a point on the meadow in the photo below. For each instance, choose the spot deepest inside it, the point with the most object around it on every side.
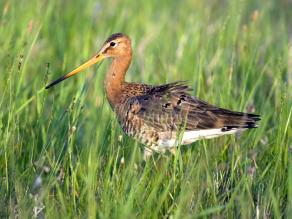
(62, 152)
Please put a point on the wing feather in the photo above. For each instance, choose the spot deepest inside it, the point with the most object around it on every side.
(170, 107)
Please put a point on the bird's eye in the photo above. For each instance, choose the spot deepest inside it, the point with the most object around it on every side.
(113, 44)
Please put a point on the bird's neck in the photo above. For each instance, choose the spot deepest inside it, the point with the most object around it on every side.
(115, 78)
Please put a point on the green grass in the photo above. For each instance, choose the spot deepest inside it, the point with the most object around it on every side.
(61, 149)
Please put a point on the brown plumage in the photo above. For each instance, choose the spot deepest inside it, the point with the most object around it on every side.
(156, 115)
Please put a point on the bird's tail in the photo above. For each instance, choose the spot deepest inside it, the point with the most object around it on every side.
(237, 120)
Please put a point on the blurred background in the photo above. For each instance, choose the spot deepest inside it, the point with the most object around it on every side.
(62, 152)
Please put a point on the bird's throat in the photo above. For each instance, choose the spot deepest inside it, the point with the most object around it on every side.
(115, 78)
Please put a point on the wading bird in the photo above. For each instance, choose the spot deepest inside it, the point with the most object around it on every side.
(161, 117)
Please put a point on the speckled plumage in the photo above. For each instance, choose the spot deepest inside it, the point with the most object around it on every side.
(149, 113)
(157, 115)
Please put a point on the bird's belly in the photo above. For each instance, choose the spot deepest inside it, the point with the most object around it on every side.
(143, 133)
(150, 136)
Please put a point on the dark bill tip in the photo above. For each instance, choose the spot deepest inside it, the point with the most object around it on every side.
(55, 82)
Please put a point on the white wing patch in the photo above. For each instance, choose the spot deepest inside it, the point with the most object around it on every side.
(192, 136)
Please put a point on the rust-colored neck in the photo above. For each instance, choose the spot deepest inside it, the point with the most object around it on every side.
(115, 78)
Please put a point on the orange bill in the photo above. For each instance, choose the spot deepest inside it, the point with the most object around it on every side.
(99, 57)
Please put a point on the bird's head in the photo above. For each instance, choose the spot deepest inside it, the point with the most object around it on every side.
(117, 45)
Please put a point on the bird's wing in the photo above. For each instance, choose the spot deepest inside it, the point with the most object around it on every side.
(170, 108)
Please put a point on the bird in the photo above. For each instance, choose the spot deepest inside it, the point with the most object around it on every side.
(161, 117)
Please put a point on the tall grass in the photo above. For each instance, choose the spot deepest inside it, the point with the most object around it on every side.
(62, 153)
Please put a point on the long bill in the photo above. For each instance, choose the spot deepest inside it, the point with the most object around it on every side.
(99, 57)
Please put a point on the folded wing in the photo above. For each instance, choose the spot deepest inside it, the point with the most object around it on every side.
(171, 108)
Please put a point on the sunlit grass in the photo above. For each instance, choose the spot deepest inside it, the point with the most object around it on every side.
(62, 152)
